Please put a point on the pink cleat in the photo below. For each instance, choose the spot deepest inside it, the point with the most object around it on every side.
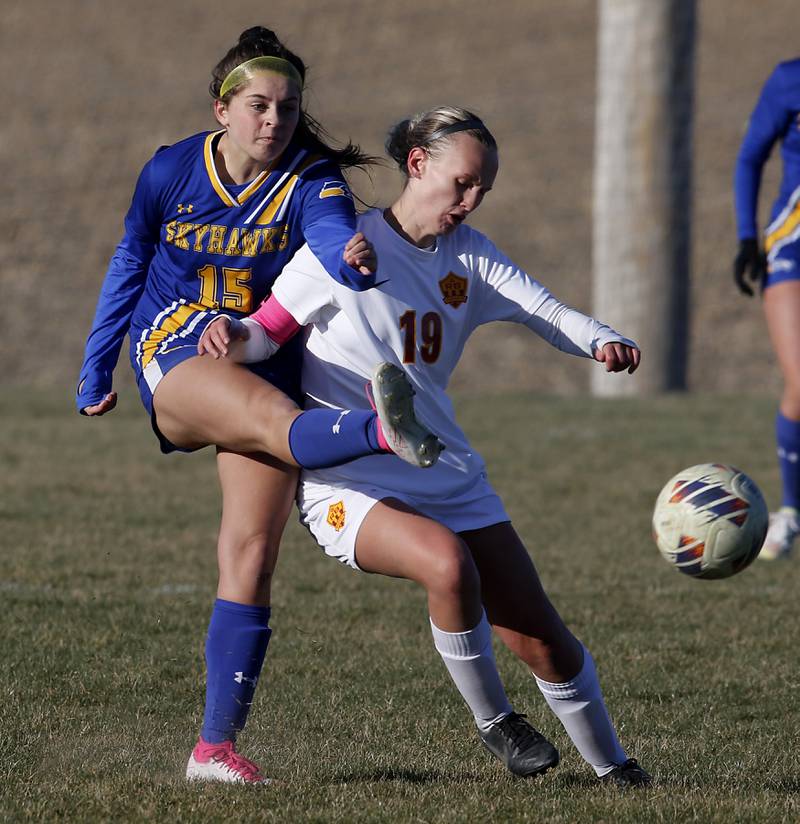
(221, 762)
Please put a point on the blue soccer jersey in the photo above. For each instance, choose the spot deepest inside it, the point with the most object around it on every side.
(776, 117)
(194, 246)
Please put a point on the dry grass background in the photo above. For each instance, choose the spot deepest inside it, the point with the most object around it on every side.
(92, 88)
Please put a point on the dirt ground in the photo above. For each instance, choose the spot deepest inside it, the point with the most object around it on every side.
(94, 87)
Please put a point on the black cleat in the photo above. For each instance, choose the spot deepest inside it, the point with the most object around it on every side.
(524, 750)
(628, 774)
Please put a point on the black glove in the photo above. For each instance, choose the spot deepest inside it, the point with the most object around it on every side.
(750, 264)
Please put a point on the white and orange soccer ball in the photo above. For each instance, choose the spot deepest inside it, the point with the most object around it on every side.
(710, 521)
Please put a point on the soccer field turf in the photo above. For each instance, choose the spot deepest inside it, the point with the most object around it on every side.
(108, 572)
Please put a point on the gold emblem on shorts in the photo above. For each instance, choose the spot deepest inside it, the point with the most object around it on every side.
(336, 515)
(454, 289)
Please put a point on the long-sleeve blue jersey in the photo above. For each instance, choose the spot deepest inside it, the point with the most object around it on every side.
(194, 245)
(776, 117)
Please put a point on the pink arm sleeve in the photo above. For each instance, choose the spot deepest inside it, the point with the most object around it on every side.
(277, 322)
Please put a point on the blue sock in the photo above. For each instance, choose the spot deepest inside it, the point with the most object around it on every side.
(787, 435)
(327, 437)
(237, 640)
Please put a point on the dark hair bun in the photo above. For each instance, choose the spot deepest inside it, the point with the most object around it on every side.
(258, 33)
(398, 143)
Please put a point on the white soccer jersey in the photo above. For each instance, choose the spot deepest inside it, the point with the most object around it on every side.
(426, 305)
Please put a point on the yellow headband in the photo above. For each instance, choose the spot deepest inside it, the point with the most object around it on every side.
(243, 72)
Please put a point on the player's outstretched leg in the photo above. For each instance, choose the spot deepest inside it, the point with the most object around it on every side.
(393, 396)
(237, 410)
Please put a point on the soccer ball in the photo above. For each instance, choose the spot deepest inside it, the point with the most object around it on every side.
(710, 521)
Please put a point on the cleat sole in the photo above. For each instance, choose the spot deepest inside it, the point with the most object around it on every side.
(392, 398)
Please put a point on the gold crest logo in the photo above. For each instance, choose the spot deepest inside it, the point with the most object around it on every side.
(336, 516)
(454, 289)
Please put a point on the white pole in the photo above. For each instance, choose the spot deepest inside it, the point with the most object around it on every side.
(642, 186)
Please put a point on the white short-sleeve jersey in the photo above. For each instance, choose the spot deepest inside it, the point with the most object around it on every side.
(419, 316)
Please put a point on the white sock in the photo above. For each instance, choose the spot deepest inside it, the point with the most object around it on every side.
(579, 706)
(469, 659)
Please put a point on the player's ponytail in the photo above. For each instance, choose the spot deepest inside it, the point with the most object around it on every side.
(430, 129)
(259, 41)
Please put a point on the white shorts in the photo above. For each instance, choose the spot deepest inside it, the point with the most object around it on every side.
(333, 514)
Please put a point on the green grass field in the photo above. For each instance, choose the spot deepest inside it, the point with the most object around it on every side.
(107, 574)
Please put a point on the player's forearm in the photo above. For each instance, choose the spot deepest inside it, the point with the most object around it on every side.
(571, 331)
(327, 235)
(278, 323)
(746, 184)
(563, 327)
(766, 125)
(119, 295)
(253, 345)
(260, 335)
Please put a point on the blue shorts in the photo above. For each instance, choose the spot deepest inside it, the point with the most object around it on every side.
(782, 243)
(783, 264)
(282, 370)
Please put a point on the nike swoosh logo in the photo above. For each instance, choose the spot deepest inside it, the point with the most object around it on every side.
(174, 348)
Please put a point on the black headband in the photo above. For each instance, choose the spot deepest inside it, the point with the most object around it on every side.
(458, 126)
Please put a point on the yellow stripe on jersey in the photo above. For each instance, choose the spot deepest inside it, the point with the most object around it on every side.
(219, 187)
(284, 194)
(786, 228)
(257, 183)
(268, 215)
(211, 169)
(171, 324)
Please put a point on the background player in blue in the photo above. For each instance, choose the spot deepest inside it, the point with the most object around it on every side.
(776, 270)
(213, 220)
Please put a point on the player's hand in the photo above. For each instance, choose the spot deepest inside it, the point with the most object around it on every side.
(360, 254)
(750, 264)
(618, 356)
(218, 334)
(105, 405)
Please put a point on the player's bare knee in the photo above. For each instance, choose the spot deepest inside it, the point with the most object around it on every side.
(256, 551)
(554, 654)
(453, 572)
(270, 413)
(539, 654)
